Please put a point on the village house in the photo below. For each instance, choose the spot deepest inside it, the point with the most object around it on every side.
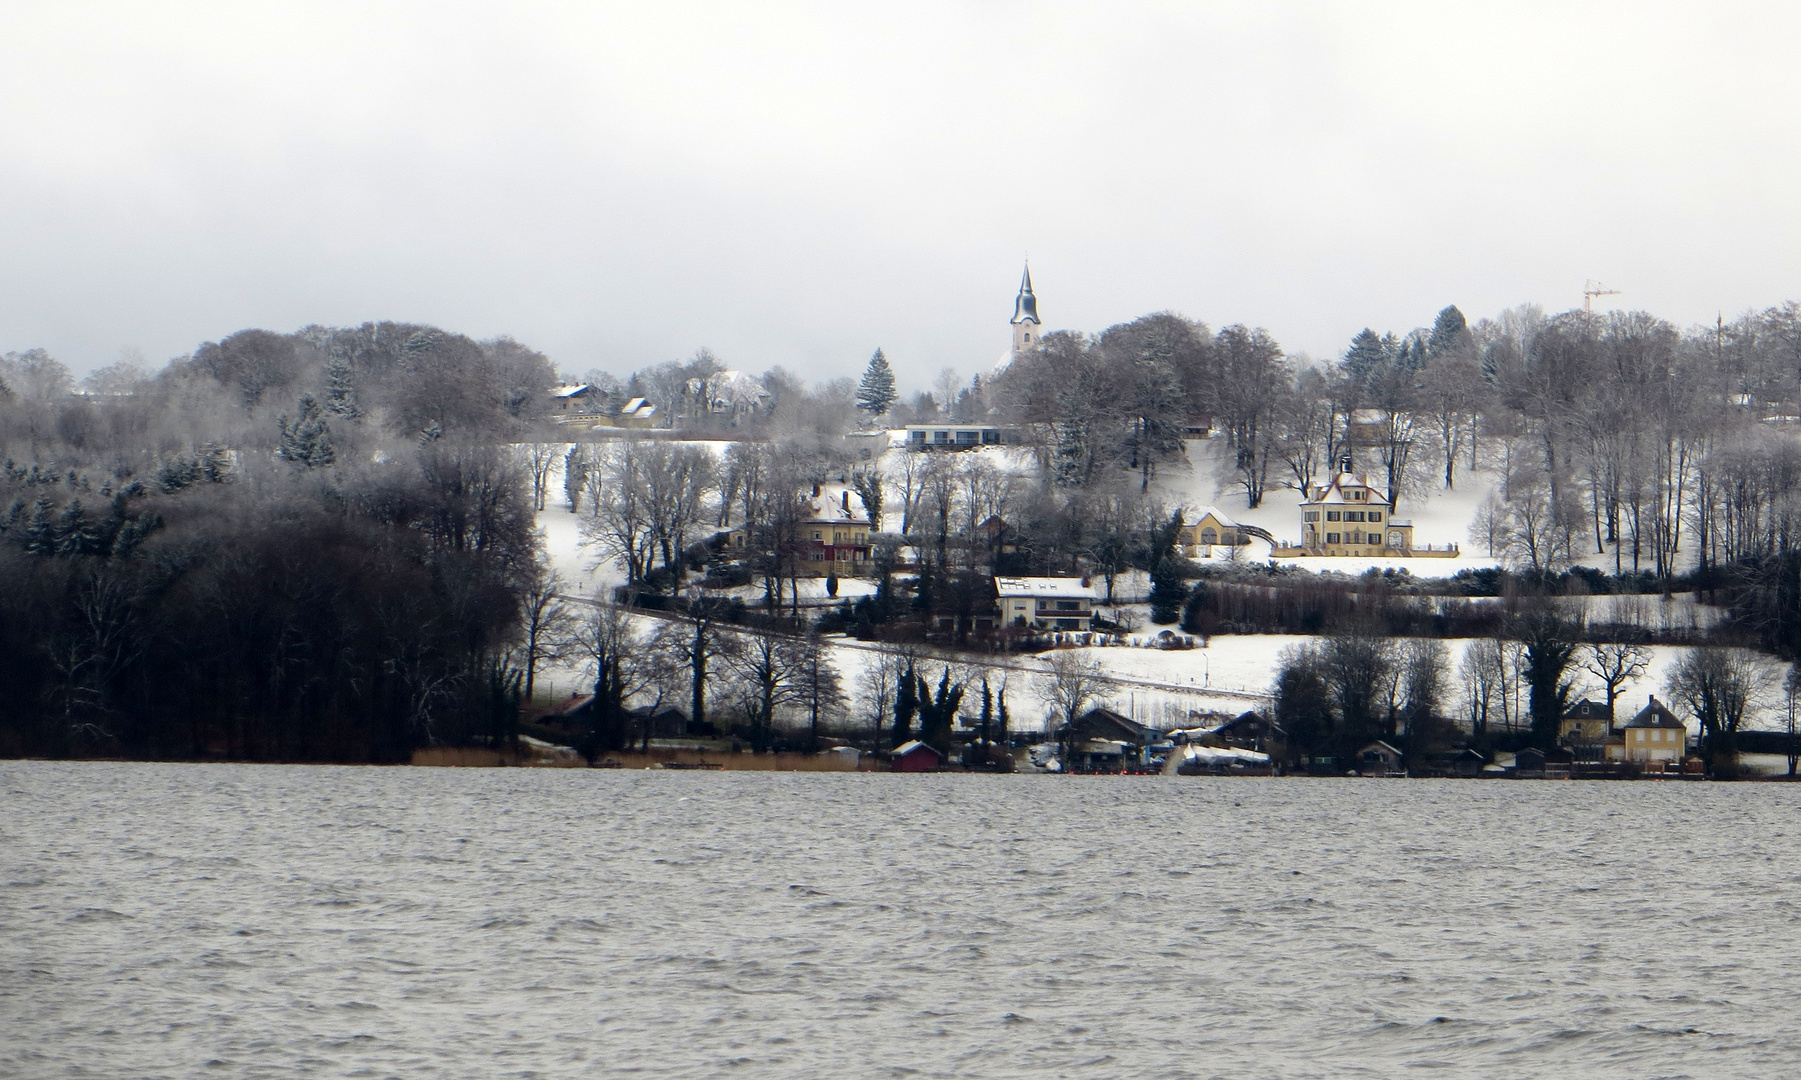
(835, 534)
(957, 436)
(732, 395)
(1587, 730)
(1102, 740)
(1046, 603)
(1535, 763)
(1379, 759)
(914, 756)
(1205, 528)
(1366, 428)
(1653, 737)
(636, 413)
(1000, 535)
(577, 402)
(1250, 731)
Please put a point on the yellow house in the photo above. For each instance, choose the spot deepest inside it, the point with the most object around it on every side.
(835, 534)
(1206, 527)
(1585, 721)
(1353, 515)
(1653, 737)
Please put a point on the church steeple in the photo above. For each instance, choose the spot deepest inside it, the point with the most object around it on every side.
(1025, 307)
(1025, 314)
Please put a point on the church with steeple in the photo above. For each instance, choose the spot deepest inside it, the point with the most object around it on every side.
(1025, 316)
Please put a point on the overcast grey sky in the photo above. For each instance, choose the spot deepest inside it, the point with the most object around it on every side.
(796, 185)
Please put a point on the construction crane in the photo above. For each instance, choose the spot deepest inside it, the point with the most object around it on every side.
(1592, 289)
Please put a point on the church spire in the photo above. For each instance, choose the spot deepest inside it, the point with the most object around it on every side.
(1025, 306)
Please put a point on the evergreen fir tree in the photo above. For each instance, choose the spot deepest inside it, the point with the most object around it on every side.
(868, 486)
(938, 713)
(133, 533)
(75, 534)
(40, 531)
(1450, 331)
(1168, 588)
(213, 463)
(172, 476)
(575, 474)
(986, 721)
(1365, 358)
(1191, 611)
(876, 394)
(340, 394)
(1167, 591)
(1001, 738)
(307, 441)
(906, 703)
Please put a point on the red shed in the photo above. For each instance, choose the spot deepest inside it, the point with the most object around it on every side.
(915, 756)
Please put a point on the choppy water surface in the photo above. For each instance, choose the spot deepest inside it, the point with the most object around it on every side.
(263, 921)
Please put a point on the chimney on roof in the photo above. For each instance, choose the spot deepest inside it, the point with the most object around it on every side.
(816, 491)
(847, 500)
(1084, 581)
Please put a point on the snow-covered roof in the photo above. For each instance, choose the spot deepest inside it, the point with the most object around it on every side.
(1103, 746)
(910, 746)
(1334, 491)
(1195, 517)
(570, 391)
(632, 405)
(1065, 587)
(733, 389)
(837, 506)
(1223, 755)
(1369, 416)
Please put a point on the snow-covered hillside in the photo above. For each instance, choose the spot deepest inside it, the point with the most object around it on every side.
(1439, 517)
(1157, 686)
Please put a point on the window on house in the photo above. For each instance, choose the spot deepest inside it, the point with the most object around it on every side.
(1311, 515)
(1332, 515)
(1375, 515)
(1068, 605)
(818, 536)
(1331, 538)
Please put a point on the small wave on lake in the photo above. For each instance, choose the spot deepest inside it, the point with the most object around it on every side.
(237, 920)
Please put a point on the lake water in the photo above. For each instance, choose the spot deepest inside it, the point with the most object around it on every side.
(228, 920)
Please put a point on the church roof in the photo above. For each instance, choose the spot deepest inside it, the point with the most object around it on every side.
(1025, 306)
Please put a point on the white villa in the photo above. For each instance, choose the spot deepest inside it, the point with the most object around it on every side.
(1046, 603)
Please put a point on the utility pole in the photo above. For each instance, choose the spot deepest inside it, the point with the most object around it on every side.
(1592, 289)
